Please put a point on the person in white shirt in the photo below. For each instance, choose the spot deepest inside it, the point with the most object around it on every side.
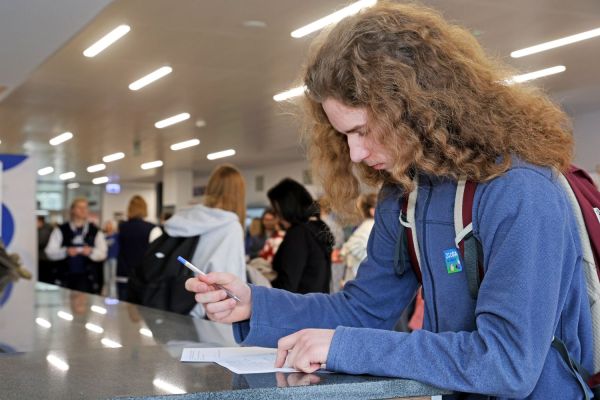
(81, 248)
(354, 250)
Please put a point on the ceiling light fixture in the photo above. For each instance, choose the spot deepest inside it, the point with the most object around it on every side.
(43, 323)
(288, 94)
(172, 120)
(538, 48)
(152, 164)
(63, 137)
(113, 157)
(185, 145)
(45, 171)
(94, 328)
(110, 343)
(536, 74)
(107, 40)
(100, 180)
(151, 77)
(96, 167)
(332, 18)
(73, 185)
(67, 176)
(221, 154)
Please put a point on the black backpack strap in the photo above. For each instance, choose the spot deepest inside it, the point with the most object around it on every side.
(465, 241)
(577, 369)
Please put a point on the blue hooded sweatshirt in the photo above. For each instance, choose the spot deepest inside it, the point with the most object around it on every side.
(498, 345)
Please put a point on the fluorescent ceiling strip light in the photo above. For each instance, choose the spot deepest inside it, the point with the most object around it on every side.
(67, 176)
(151, 77)
(45, 171)
(172, 120)
(113, 157)
(73, 185)
(96, 167)
(288, 94)
(110, 343)
(107, 40)
(536, 74)
(538, 48)
(94, 328)
(146, 332)
(43, 323)
(221, 154)
(98, 309)
(185, 145)
(332, 18)
(57, 362)
(167, 387)
(100, 180)
(63, 137)
(65, 315)
(152, 164)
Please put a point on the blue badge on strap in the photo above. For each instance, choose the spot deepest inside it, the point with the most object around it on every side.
(452, 260)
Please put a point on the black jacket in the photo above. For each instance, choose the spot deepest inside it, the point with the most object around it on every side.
(303, 260)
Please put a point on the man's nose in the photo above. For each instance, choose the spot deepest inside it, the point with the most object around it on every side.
(358, 151)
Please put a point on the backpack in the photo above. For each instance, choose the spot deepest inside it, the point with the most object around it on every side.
(159, 280)
(585, 202)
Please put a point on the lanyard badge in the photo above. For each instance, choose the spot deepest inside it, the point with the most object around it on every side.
(452, 259)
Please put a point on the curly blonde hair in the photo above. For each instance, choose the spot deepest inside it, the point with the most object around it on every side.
(433, 98)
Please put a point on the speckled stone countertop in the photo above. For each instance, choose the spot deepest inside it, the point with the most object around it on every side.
(73, 359)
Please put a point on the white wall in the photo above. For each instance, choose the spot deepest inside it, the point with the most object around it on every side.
(112, 203)
(586, 129)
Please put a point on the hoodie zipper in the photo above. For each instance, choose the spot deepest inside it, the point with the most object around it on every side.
(426, 257)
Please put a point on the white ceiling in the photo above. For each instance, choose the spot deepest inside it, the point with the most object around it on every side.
(223, 73)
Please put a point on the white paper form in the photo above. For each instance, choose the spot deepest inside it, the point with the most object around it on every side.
(240, 360)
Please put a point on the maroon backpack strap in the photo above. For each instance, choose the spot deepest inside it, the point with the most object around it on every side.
(466, 242)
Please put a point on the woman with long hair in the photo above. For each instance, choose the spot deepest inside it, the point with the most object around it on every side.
(397, 96)
(219, 222)
(303, 260)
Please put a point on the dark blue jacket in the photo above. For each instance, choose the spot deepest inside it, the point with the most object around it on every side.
(133, 243)
(498, 345)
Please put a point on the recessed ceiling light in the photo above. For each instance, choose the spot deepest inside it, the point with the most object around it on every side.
(200, 123)
(332, 18)
(536, 74)
(185, 145)
(63, 137)
(107, 40)
(113, 157)
(73, 185)
(96, 167)
(151, 77)
(152, 164)
(66, 176)
(221, 154)
(253, 23)
(172, 120)
(100, 180)
(45, 171)
(288, 94)
(555, 43)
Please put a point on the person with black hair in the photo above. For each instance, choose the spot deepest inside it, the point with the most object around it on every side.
(303, 260)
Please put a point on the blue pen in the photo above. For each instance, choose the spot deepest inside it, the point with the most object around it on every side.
(197, 271)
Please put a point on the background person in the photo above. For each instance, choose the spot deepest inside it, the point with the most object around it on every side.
(303, 261)
(135, 235)
(219, 222)
(81, 248)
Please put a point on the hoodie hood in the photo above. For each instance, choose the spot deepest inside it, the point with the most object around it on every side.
(198, 220)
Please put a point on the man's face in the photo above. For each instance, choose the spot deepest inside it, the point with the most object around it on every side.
(80, 210)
